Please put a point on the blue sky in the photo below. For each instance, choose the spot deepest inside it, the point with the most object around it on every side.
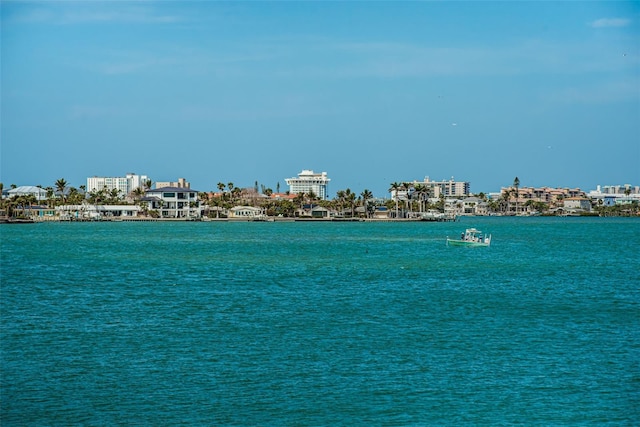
(370, 92)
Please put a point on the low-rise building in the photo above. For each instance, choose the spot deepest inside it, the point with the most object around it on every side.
(173, 202)
(577, 204)
(381, 212)
(548, 195)
(474, 206)
(245, 212)
(28, 190)
(320, 212)
(88, 211)
(453, 207)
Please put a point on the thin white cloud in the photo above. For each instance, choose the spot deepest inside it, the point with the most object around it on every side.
(92, 14)
(397, 60)
(88, 112)
(126, 67)
(610, 22)
(598, 93)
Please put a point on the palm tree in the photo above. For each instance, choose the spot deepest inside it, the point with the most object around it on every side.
(350, 199)
(504, 199)
(408, 198)
(340, 199)
(395, 187)
(494, 205)
(31, 200)
(420, 190)
(366, 195)
(312, 197)
(75, 198)
(137, 193)
(114, 196)
(61, 186)
(235, 193)
(221, 189)
(299, 200)
(50, 194)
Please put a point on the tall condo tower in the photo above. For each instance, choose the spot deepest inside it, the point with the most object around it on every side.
(309, 181)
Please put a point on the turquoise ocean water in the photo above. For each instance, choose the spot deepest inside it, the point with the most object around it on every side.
(309, 324)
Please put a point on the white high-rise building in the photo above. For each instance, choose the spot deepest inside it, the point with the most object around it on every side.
(450, 188)
(123, 184)
(309, 181)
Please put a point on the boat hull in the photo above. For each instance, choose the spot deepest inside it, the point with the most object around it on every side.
(453, 242)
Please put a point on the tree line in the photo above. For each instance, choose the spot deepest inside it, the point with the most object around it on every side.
(407, 200)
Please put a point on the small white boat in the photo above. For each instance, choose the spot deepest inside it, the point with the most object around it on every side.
(471, 237)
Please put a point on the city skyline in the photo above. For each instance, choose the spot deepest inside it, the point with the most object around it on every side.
(115, 181)
(372, 93)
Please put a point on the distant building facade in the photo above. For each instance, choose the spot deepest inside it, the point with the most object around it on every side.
(616, 194)
(617, 189)
(434, 189)
(542, 194)
(577, 204)
(181, 183)
(124, 185)
(309, 181)
(449, 188)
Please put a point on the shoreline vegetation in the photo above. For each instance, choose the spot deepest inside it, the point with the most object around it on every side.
(409, 202)
(268, 219)
(33, 220)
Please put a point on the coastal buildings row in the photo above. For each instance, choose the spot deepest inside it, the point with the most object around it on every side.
(453, 198)
(173, 203)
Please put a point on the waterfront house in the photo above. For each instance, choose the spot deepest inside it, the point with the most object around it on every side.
(87, 211)
(173, 202)
(453, 207)
(245, 212)
(472, 206)
(319, 212)
(381, 212)
(29, 190)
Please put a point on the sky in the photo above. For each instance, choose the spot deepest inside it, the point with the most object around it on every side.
(370, 92)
